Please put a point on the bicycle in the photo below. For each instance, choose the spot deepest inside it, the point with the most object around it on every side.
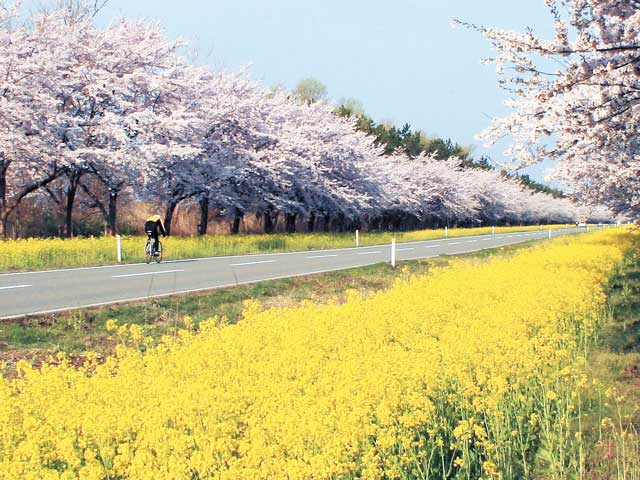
(149, 254)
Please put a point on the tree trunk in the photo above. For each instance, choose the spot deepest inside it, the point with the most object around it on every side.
(70, 193)
(268, 221)
(327, 222)
(168, 216)
(113, 212)
(291, 222)
(204, 214)
(311, 223)
(5, 224)
(68, 217)
(397, 224)
(4, 165)
(235, 228)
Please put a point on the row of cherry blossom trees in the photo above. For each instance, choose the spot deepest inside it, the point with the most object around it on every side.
(576, 98)
(96, 112)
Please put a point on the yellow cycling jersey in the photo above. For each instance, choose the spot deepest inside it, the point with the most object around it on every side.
(158, 225)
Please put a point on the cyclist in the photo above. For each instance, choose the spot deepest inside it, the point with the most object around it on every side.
(154, 228)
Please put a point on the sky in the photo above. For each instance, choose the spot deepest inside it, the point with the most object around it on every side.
(403, 60)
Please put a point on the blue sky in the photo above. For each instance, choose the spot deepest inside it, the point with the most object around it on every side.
(402, 59)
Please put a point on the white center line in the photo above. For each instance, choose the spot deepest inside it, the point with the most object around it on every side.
(322, 256)
(472, 241)
(252, 263)
(146, 273)
(368, 253)
(404, 249)
(455, 243)
(15, 286)
(431, 246)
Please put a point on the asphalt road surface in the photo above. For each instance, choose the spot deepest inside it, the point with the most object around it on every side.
(32, 293)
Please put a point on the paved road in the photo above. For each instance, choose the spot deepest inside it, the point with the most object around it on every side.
(32, 293)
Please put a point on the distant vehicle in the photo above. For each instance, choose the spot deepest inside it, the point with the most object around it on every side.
(581, 221)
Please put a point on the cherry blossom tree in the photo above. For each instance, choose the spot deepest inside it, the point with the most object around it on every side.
(116, 73)
(575, 98)
(329, 173)
(27, 151)
(440, 192)
(141, 67)
(206, 145)
(71, 88)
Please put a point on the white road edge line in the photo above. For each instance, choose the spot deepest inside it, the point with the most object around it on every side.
(146, 273)
(12, 287)
(252, 263)
(322, 256)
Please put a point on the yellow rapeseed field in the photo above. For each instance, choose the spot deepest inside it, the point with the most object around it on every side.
(37, 253)
(473, 371)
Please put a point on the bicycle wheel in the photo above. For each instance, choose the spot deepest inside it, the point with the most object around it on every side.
(147, 251)
(158, 256)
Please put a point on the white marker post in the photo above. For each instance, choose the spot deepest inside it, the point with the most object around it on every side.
(393, 252)
(493, 230)
(549, 234)
(446, 231)
(357, 238)
(119, 248)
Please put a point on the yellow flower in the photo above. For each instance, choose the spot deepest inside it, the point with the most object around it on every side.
(454, 363)
(188, 322)
(490, 469)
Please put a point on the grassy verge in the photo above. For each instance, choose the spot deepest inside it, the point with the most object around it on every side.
(36, 338)
(614, 418)
(37, 254)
